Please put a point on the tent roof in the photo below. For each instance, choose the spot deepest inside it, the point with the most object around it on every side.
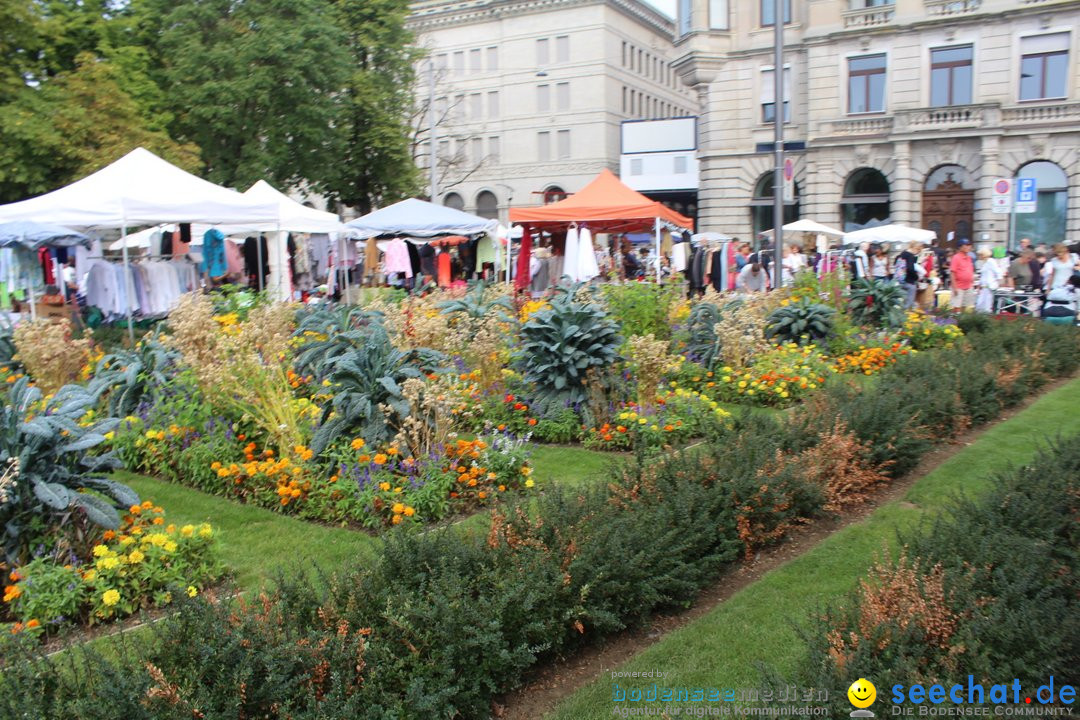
(294, 216)
(35, 235)
(893, 233)
(607, 204)
(808, 226)
(140, 189)
(419, 218)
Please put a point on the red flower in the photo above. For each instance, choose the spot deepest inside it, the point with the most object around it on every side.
(509, 398)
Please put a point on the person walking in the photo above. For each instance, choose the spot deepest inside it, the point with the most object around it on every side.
(962, 274)
(989, 280)
(1060, 267)
(906, 272)
(879, 264)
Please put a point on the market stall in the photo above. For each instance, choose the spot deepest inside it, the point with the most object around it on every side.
(604, 205)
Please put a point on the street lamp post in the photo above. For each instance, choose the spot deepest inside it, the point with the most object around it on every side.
(778, 118)
(432, 167)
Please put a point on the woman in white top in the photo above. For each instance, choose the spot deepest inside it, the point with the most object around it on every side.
(879, 264)
(792, 262)
(1060, 268)
(990, 276)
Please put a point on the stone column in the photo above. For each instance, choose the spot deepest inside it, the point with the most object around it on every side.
(903, 204)
(997, 226)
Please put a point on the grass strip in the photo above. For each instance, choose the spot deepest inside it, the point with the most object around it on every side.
(723, 648)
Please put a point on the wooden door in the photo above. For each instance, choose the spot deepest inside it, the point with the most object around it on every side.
(949, 208)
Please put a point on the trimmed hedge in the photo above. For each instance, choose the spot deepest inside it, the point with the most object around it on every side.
(988, 589)
(444, 622)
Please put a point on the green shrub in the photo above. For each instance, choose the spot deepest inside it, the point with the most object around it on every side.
(560, 344)
(641, 308)
(803, 323)
(704, 345)
(128, 377)
(877, 303)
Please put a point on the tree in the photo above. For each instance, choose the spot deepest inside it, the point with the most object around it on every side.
(376, 165)
(257, 86)
(20, 44)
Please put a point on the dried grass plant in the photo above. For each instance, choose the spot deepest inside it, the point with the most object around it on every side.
(427, 428)
(240, 367)
(49, 353)
(649, 358)
(741, 331)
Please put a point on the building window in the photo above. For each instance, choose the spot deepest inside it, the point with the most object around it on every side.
(761, 205)
(493, 104)
(768, 95)
(492, 59)
(543, 146)
(1047, 223)
(440, 61)
(680, 165)
(563, 139)
(866, 84)
(543, 98)
(865, 201)
(624, 53)
(476, 106)
(477, 150)
(1044, 66)
(856, 4)
(624, 91)
(487, 205)
(453, 200)
(562, 48)
(950, 76)
(636, 166)
(718, 14)
(768, 12)
(554, 194)
(543, 54)
(562, 96)
(494, 151)
(459, 62)
(474, 61)
(685, 13)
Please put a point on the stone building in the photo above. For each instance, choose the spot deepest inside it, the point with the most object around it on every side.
(529, 94)
(900, 109)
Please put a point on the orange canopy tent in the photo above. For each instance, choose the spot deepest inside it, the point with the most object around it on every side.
(607, 205)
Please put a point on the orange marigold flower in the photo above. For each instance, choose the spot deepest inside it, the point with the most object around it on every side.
(380, 459)
(532, 421)
(409, 511)
(396, 519)
(107, 535)
(32, 623)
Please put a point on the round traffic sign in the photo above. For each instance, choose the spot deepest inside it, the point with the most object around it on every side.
(789, 169)
(1001, 187)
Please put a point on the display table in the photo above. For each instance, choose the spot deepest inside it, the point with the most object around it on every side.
(1017, 302)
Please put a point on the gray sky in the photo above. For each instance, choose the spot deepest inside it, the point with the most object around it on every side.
(665, 6)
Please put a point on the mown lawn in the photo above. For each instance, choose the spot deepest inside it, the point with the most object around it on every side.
(757, 625)
(257, 543)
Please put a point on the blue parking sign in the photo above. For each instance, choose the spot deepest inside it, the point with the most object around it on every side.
(1025, 190)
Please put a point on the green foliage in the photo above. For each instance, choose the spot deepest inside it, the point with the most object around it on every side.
(641, 308)
(128, 377)
(704, 345)
(51, 442)
(976, 594)
(7, 346)
(363, 378)
(877, 303)
(560, 344)
(803, 323)
(474, 305)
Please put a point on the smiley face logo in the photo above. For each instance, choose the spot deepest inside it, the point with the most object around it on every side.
(862, 693)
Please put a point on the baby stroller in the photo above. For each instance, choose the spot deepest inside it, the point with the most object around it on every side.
(1060, 307)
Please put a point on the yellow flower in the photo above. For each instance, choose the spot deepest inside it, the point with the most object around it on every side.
(642, 421)
(409, 511)
(136, 557)
(529, 483)
(110, 597)
(192, 591)
(110, 435)
(170, 546)
(107, 563)
(205, 530)
(89, 575)
(384, 486)
(357, 443)
(398, 508)
(100, 551)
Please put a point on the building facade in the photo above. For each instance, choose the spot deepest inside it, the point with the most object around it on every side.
(894, 109)
(529, 95)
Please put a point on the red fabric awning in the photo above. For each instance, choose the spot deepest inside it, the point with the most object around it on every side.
(606, 204)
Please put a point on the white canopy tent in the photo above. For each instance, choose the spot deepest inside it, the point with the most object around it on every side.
(140, 189)
(809, 227)
(418, 218)
(887, 234)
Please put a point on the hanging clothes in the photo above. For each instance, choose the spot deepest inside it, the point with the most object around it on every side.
(427, 260)
(396, 259)
(214, 261)
(678, 257)
(443, 268)
(521, 277)
(485, 251)
(572, 254)
(414, 258)
(587, 267)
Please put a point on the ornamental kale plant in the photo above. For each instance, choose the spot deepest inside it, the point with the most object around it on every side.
(51, 439)
(877, 303)
(561, 343)
(477, 303)
(366, 381)
(126, 377)
(803, 323)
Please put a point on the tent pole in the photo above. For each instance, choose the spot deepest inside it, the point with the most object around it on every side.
(259, 261)
(127, 279)
(30, 290)
(657, 251)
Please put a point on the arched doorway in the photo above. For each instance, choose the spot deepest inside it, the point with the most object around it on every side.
(761, 206)
(1047, 224)
(487, 205)
(453, 200)
(948, 204)
(865, 202)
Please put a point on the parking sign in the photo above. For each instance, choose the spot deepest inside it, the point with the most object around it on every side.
(1026, 195)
